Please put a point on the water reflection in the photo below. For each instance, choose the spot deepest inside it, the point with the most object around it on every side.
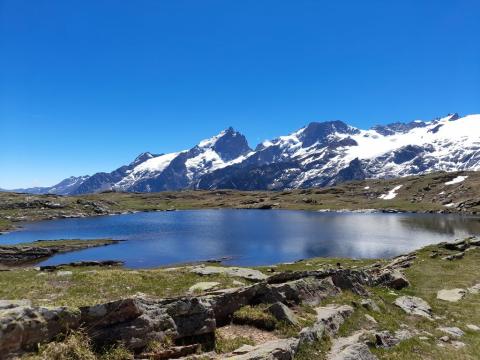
(251, 237)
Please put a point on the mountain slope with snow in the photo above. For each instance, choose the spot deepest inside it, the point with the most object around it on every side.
(319, 154)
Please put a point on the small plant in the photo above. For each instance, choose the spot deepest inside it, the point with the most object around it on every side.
(76, 346)
(255, 316)
(225, 345)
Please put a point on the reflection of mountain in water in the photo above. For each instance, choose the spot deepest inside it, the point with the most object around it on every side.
(451, 225)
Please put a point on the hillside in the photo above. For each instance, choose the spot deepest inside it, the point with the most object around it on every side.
(457, 192)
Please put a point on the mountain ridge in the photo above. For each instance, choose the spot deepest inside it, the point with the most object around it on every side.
(319, 154)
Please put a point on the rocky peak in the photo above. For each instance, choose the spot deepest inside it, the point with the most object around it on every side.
(143, 157)
(230, 144)
(319, 131)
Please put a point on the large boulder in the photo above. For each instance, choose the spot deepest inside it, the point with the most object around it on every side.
(414, 306)
(138, 321)
(281, 312)
(391, 278)
(23, 327)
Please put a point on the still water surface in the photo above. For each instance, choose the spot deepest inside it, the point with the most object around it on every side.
(251, 237)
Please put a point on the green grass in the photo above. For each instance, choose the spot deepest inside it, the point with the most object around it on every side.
(225, 345)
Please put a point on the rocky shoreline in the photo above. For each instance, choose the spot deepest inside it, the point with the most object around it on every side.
(28, 253)
(306, 305)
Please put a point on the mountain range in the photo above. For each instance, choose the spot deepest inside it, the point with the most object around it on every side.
(319, 154)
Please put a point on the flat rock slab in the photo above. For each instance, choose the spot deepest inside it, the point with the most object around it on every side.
(244, 273)
(414, 306)
(452, 295)
(452, 331)
(282, 349)
(350, 348)
(473, 327)
(203, 286)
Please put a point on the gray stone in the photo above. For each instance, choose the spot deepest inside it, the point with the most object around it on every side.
(244, 273)
(332, 316)
(138, 321)
(414, 306)
(281, 349)
(350, 348)
(473, 327)
(452, 295)
(64, 273)
(10, 304)
(22, 328)
(452, 331)
(456, 256)
(384, 339)
(475, 289)
(371, 319)
(392, 278)
(282, 313)
(370, 305)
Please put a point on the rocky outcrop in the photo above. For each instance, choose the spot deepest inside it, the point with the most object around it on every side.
(138, 321)
(15, 254)
(23, 327)
(414, 306)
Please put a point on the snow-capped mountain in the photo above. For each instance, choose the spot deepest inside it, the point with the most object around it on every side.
(65, 187)
(319, 154)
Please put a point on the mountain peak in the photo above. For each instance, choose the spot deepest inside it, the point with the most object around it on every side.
(318, 131)
(142, 158)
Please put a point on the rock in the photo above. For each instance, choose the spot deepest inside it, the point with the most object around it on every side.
(138, 321)
(238, 283)
(22, 328)
(456, 245)
(282, 313)
(371, 319)
(475, 289)
(458, 344)
(245, 273)
(281, 349)
(243, 349)
(370, 305)
(403, 334)
(101, 263)
(310, 291)
(352, 280)
(452, 331)
(332, 316)
(452, 295)
(10, 304)
(456, 256)
(172, 352)
(64, 273)
(414, 306)
(392, 278)
(385, 339)
(445, 338)
(328, 322)
(350, 348)
(473, 327)
(203, 286)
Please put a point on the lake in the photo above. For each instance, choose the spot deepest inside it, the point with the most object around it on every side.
(250, 237)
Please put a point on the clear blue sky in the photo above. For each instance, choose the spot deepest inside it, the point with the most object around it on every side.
(87, 85)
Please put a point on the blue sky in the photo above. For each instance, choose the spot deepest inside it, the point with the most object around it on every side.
(87, 85)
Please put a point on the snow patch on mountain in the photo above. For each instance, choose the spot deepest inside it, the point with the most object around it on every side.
(457, 180)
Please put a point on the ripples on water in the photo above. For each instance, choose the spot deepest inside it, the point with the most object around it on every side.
(252, 237)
